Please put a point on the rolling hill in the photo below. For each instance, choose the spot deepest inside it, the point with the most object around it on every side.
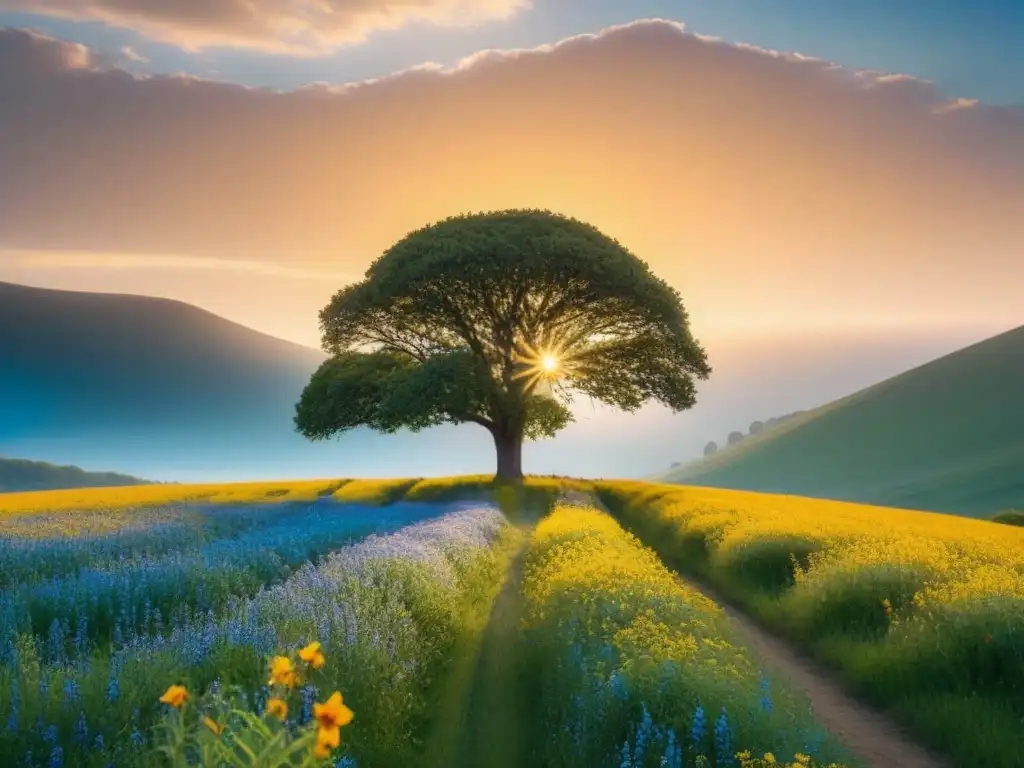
(162, 389)
(946, 436)
(22, 475)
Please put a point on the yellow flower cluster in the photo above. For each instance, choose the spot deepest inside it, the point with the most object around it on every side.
(111, 499)
(953, 560)
(329, 716)
(799, 761)
(581, 562)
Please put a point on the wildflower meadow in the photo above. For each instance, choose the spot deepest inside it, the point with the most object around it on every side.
(107, 631)
(922, 612)
(635, 669)
(462, 622)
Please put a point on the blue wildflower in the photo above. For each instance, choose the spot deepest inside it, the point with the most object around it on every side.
(766, 697)
(617, 683)
(81, 729)
(627, 760)
(72, 693)
(673, 755)
(698, 727)
(642, 734)
(723, 742)
(308, 695)
(113, 688)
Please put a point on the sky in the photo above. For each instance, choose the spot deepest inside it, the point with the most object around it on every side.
(791, 167)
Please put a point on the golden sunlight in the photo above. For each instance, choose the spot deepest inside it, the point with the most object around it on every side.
(543, 364)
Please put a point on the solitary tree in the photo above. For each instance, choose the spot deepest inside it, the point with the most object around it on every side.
(710, 448)
(735, 437)
(499, 319)
(756, 427)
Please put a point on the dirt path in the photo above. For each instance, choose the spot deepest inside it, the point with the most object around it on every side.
(479, 713)
(496, 727)
(870, 735)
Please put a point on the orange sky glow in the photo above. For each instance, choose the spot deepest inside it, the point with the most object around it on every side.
(776, 192)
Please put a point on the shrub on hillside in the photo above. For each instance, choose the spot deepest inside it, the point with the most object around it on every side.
(1009, 517)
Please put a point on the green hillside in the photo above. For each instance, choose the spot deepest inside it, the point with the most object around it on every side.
(22, 475)
(946, 436)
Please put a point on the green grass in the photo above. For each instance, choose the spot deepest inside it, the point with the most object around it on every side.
(618, 654)
(922, 614)
(944, 436)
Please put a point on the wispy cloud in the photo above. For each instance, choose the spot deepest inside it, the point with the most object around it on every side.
(64, 260)
(304, 27)
(131, 54)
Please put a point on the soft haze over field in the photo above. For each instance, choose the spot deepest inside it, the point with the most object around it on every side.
(805, 209)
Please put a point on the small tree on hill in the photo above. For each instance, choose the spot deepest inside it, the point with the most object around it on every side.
(756, 427)
(499, 319)
(710, 448)
(735, 437)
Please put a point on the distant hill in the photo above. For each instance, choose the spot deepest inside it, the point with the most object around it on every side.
(163, 389)
(946, 436)
(22, 475)
(130, 365)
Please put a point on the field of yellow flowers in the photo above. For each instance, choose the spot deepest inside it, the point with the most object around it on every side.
(312, 623)
(923, 613)
(632, 668)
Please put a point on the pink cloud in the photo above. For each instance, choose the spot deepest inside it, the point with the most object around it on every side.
(282, 26)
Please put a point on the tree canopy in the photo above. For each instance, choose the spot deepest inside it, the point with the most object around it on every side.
(500, 319)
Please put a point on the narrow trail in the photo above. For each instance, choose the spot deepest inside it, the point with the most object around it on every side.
(482, 716)
(479, 718)
(494, 734)
(869, 734)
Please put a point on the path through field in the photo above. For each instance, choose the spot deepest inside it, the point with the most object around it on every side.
(870, 735)
(481, 720)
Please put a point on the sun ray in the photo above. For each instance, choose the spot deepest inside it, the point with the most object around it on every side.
(549, 361)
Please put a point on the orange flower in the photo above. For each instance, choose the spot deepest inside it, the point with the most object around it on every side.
(326, 740)
(277, 708)
(312, 655)
(282, 672)
(212, 725)
(331, 716)
(176, 696)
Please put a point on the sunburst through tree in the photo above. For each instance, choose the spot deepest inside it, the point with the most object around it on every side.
(544, 368)
(498, 319)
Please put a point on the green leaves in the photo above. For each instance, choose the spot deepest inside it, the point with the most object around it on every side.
(545, 417)
(449, 387)
(437, 330)
(345, 392)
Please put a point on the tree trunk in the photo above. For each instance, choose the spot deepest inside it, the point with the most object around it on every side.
(510, 455)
